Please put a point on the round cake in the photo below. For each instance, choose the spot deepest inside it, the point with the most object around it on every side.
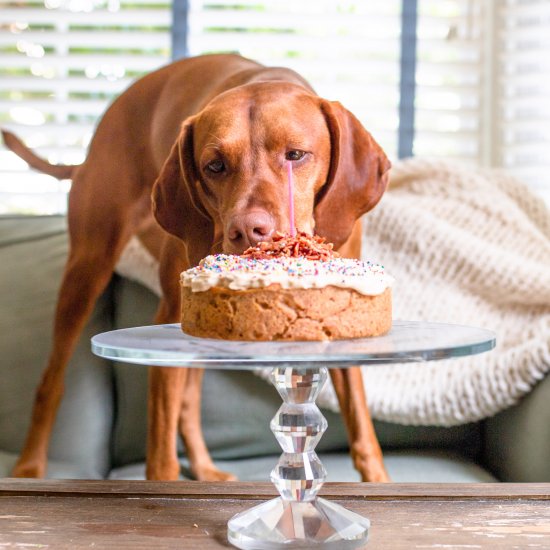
(291, 288)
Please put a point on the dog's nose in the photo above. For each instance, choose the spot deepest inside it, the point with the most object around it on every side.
(249, 229)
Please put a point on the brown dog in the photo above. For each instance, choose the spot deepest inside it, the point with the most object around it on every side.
(219, 185)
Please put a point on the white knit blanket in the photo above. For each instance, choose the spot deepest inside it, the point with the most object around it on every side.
(465, 246)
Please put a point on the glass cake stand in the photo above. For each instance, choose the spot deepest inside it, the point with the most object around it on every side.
(298, 518)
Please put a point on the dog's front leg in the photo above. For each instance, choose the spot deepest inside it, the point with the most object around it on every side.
(165, 390)
(175, 393)
(201, 463)
(364, 447)
(175, 400)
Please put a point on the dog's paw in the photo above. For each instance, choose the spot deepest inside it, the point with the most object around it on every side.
(168, 470)
(372, 469)
(28, 469)
(212, 473)
(377, 475)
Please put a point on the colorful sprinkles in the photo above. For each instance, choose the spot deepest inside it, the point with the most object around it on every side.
(294, 267)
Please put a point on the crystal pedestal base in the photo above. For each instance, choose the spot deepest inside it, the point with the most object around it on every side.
(298, 519)
(278, 524)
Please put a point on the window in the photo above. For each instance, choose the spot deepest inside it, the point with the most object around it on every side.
(61, 63)
(483, 83)
(482, 78)
(519, 139)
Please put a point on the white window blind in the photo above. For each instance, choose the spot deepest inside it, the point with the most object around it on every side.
(522, 110)
(61, 63)
(483, 85)
(449, 77)
(482, 72)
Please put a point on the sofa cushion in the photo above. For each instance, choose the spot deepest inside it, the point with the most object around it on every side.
(32, 255)
(237, 407)
(517, 440)
(424, 466)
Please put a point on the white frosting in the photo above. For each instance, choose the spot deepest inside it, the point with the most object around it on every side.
(238, 273)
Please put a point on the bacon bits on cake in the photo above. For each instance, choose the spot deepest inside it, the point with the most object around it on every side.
(311, 247)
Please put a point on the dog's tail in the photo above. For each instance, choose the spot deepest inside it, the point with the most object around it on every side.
(59, 171)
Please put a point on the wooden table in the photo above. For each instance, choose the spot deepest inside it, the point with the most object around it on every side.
(192, 515)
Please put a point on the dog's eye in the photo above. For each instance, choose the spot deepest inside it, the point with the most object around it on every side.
(216, 166)
(295, 155)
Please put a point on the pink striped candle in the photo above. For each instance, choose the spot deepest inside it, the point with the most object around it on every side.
(290, 198)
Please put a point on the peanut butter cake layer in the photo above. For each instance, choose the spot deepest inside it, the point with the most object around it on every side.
(291, 288)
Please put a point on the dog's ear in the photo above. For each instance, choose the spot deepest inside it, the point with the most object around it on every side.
(176, 204)
(357, 178)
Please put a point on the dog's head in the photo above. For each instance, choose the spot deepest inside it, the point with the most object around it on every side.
(224, 184)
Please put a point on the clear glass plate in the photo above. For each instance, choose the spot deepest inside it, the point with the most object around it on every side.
(167, 345)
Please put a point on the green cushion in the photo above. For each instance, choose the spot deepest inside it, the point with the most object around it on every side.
(237, 407)
(424, 466)
(32, 256)
(466, 438)
(517, 440)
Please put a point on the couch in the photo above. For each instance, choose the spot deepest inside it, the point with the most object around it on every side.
(100, 430)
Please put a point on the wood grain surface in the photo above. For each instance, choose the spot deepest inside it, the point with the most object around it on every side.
(193, 515)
